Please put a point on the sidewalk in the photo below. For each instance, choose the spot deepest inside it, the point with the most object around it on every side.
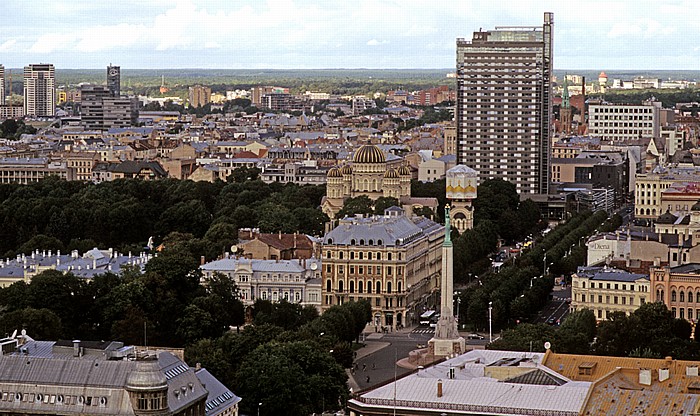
(370, 348)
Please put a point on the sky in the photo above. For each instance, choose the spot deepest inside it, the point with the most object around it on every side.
(303, 34)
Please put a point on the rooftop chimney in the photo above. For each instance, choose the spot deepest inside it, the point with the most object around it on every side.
(202, 260)
(439, 387)
(76, 348)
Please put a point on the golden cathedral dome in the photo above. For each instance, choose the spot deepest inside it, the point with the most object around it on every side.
(404, 170)
(346, 170)
(391, 173)
(369, 153)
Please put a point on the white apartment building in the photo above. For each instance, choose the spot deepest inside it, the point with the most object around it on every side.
(39, 90)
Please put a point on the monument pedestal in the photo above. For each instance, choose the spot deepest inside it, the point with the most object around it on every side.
(446, 347)
(446, 340)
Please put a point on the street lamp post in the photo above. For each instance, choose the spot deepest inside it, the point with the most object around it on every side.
(259, 404)
(490, 321)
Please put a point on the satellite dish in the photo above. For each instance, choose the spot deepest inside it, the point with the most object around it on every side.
(547, 345)
(314, 266)
(14, 334)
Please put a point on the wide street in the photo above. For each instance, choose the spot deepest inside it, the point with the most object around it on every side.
(377, 359)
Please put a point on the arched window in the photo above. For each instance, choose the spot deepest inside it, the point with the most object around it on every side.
(369, 286)
(340, 286)
(379, 287)
(330, 241)
(690, 297)
(340, 255)
(673, 296)
(362, 242)
(583, 285)
(388, 256)
(379, 242)
(328, 255)
(360, 254)
(682, 296)
(371, 242)
(351, 285)
(388, 287)
(379, 256)
(352, 242)
(398, 287)
(359, 286)
(328, 285)
(352, 255)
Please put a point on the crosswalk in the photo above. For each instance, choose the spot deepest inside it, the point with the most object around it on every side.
(423, 330)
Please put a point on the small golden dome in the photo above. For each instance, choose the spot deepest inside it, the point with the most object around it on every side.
(334, 173)
(391, 173)
(404, 170)
(346, 170)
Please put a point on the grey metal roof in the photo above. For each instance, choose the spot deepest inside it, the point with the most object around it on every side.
(220, 398)
(383, 231)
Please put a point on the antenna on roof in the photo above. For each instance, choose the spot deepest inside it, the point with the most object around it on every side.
(145, 337)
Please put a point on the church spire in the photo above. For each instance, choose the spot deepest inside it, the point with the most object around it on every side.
(565, 95)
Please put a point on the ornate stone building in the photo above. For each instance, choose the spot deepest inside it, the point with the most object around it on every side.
(392, 260)
(370, 175)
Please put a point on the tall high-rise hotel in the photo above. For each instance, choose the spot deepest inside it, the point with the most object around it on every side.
(504, 104)
(39, 90)
(2, 85)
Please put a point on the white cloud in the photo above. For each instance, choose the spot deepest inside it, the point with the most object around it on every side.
(52, 42)
(375, 42)
(640, 27)
(7, 45)
(212, 45)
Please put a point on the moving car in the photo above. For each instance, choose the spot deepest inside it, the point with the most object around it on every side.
(475, 336)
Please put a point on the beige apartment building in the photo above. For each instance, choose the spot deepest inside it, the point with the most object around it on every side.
(605, 290)
(392, 260)
(27, 170)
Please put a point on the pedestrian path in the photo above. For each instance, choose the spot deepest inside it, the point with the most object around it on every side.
(423, 330)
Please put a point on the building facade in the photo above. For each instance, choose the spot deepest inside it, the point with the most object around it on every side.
(199, 96)
(605, 290)
(679, 289)
(623, 122)
(114, 80)
(27, 170)
(504, 105)
(2, 85)
(296, 281)
(100, 110)
(39, 90)
(392, 261)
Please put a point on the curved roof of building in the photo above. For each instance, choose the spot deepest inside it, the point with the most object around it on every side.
(404, 170)
(391, 173)
(369, 153)
(346, 170)
(334, 173)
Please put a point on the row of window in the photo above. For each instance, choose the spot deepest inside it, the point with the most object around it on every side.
(361, 255)
(58, 399)
(616, 286)
(361, 270)
(618, 110)
(616, 300)
(680, 296)
(361, 286)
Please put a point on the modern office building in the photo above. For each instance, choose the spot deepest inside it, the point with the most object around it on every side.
(199, 96)
(114, 80)
(100, 110)
(39, 90)
(504, 104)
(623, 122)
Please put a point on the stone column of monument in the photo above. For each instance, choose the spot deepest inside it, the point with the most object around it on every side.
(447, 340)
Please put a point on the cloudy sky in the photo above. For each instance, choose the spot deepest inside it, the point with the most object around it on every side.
(612, 34)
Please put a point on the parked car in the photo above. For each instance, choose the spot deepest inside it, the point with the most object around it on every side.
(475, 336)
